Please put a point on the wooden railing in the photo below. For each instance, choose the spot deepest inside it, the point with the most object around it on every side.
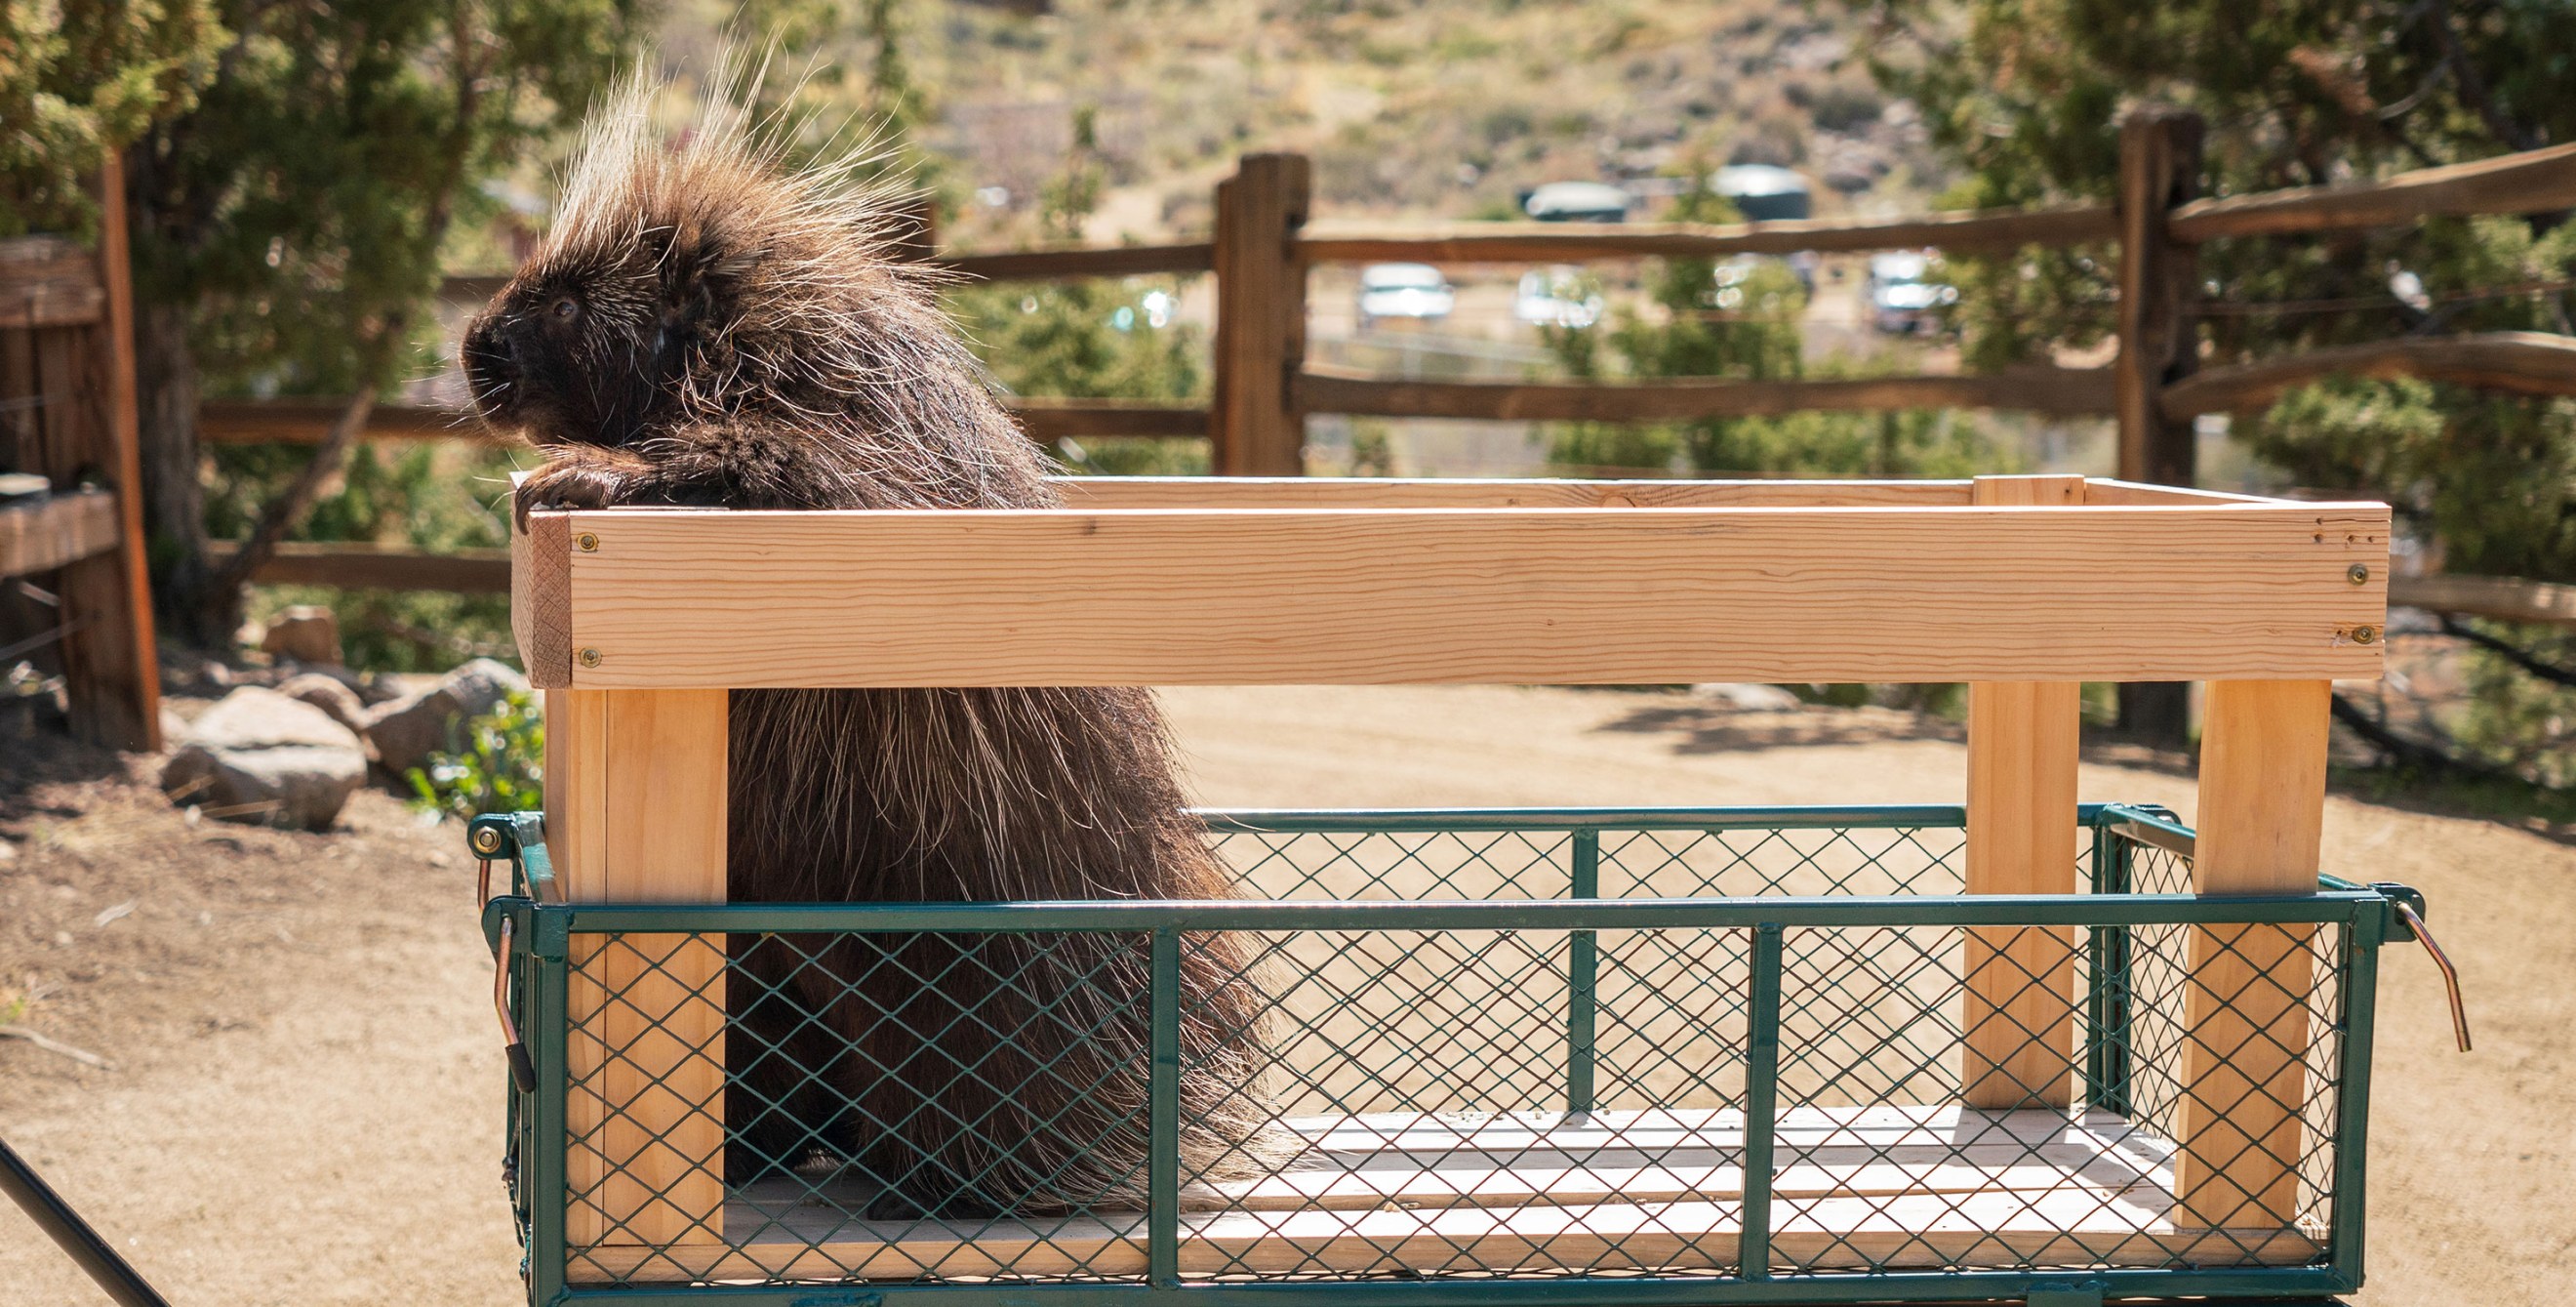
(1265, 386)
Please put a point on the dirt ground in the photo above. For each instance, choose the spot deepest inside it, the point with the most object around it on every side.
(304, 1098)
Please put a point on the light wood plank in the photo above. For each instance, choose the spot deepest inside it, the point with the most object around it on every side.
(541, 596)
(2262, 815)
(636, 798)
(1465, 492)
(2019, 1016)
(1889, 1186)
(1502, 595)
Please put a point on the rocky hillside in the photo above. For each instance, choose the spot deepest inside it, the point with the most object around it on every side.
(1430, 108)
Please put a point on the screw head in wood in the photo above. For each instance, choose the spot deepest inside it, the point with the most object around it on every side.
(590, 657)
(589, 543)
(2365, 635)
(2358, 574)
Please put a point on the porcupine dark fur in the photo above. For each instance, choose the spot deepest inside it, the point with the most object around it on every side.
(706, 326)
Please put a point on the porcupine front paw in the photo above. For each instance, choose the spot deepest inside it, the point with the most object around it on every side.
(570, 482)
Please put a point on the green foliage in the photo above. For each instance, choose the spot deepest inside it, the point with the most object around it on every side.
(1740, 319)
(499, 766)
(422, 496)
(301, 205)
(2025, 95)
(77, 83)
(1091, 339)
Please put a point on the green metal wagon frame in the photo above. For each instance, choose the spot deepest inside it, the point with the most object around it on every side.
(1784, 977)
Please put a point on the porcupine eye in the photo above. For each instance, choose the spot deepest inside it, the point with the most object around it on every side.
(565, 308)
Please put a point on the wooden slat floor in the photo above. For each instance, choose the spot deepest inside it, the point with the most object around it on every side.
(1910, 1188)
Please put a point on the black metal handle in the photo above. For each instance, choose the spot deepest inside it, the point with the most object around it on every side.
(57, 1219)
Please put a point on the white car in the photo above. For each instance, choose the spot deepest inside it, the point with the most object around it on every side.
(1557, 297)
(1404, 290)
(1903, 295)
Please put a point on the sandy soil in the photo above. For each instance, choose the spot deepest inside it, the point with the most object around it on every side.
(304, 1103)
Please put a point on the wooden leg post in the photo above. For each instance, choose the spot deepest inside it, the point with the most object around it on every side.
(1260, 318)
(2022, 737)
(635, 799)
(2262, 813)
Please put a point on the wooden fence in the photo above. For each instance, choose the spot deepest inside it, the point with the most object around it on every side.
(72, 591)
(1265, 387)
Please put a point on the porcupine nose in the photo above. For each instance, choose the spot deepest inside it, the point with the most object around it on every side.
(491, 363)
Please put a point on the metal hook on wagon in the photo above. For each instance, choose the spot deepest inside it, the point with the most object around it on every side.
(2450, 975)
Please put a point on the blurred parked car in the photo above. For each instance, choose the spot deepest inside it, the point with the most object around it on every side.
(1557, 297)
(1763, 193)
(1576, 202)
(1404, 290)
(1903, 295)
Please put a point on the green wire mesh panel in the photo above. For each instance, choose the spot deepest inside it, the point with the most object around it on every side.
(1757, 1073)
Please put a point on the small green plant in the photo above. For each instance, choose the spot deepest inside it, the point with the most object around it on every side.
(500, 766)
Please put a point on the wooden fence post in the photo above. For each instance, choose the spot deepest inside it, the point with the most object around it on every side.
(2159, 345)
(2019, 1018)
(111, 670)
(2262, 816)
(1257, 427)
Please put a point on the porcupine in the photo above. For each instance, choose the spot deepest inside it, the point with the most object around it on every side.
(704, 326)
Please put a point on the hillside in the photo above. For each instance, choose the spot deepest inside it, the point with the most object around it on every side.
(1434, 108)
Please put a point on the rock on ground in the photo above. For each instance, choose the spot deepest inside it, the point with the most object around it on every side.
(409, 729)
(307, 633)
(331, 695)
(265, 759)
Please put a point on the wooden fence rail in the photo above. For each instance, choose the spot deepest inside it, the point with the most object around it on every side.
(1266, 387)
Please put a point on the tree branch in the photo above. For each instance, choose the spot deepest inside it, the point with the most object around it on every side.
(2404, 752)
(2473, 88)
(2554, 673)
(281, 514)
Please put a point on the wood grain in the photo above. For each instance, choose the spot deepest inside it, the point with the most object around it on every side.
(1466, 492)
(636, 803)
(541, 597)
(2262, 816)
(43, 534)
(1569, 242)
(2072, 392)
(2534, 181)
(2019, 1014)
(1615, 596)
